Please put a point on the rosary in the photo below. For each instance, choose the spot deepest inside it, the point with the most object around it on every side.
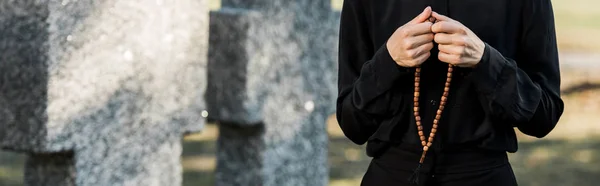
(427, 143)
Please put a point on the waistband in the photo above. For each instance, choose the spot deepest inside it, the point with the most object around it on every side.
(406, 157)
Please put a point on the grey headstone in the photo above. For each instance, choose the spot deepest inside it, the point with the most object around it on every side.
(116, 83)
(272, 85)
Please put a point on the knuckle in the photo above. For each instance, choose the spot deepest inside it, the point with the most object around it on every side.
(404, 32)
(461, 41)
(463, 50)
(456, 59)
(406, 44)
(411, 53)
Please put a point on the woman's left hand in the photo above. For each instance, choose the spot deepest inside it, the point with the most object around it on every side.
(457, 44)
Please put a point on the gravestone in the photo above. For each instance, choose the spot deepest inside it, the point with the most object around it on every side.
(101, 92)
(271, 86)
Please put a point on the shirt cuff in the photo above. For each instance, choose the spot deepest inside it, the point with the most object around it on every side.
(488, 72)
(385, 68)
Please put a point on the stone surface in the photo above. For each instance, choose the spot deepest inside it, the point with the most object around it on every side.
(272, 85)
(115, 82)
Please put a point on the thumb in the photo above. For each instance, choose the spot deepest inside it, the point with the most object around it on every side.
(423, 16)
(440, 17)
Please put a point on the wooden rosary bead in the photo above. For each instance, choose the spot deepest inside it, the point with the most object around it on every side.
(427, 144)
(432, 19)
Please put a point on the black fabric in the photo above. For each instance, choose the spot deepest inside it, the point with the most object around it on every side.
(467, 167)
(516, 84)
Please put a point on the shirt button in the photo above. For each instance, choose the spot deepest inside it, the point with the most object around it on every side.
(433, 102)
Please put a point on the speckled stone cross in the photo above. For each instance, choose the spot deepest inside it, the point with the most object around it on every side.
(272, 84)
(100, 92)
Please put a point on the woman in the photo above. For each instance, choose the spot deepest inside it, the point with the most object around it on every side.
(436, 87)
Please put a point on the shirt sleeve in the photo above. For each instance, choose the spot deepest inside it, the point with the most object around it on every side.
(525, 92)
(365, 77)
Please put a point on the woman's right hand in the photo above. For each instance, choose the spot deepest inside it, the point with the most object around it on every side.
(410, 45)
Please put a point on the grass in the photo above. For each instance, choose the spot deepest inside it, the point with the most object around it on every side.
(570, 155)
(577, 25)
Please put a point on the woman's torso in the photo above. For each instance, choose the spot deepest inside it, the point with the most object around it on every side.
(464, 123)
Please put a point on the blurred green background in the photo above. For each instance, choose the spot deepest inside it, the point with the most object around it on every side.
(570, 155)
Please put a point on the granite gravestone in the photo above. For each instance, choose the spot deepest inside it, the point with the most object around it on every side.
(101, 92)
(271, 86)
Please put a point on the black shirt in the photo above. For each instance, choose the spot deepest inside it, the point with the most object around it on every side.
(516, 83)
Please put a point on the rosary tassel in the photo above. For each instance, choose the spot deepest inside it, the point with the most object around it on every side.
(414, 178)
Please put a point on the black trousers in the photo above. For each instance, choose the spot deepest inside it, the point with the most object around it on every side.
(461, 168)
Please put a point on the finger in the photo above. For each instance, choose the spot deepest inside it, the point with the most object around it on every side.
(441, 17)
(419, 51)
(423, 16)
(419, 29)
(422, 58)
(443, 38)
(449, 58)
(447, 27)
(451, 49)
(419, 40)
